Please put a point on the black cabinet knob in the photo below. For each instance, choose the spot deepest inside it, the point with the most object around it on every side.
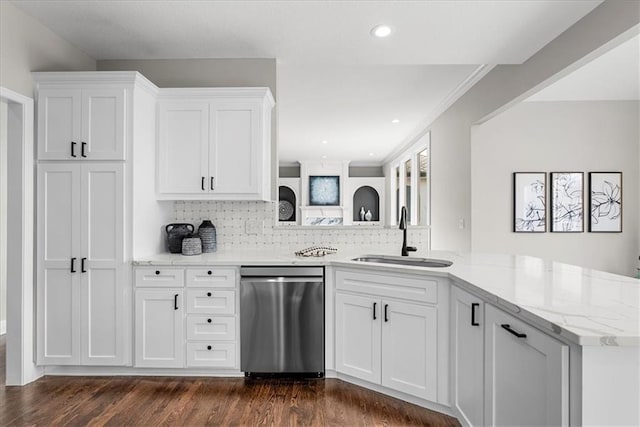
(157, 272)
(208, 294)
(208, 320)
(208, 347)
(209, 272)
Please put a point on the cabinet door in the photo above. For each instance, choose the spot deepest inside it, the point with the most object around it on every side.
(58, 264)
(103, 124)
(526, 377)
(59, 124)
(467, 344)
(183, 148)
(159, 328)
(102, 266)
(358, 336)
(236, 150)
(409, 348)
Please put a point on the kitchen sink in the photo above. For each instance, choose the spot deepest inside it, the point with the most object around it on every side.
(401, 260)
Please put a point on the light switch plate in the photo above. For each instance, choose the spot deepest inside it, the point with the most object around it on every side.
(253, 226)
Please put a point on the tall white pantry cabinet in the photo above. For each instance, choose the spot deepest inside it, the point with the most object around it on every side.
(86, 125)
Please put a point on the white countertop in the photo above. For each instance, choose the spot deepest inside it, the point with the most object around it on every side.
(588, 307)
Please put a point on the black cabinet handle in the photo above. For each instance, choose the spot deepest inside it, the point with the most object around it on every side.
(73, 265)
(208, 294)
(208, 320)
(208, 347)
(175, 302)
(209, 272)
(386, 313)
(82, 265)
(474, 305)
(157, 272)
(83, 146)
(73, 149)
(507, 328)
(202, 183)
(212, 178)
(374, 310)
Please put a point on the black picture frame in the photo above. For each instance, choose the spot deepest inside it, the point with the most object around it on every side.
(605, 202)
(529, 207)
(566, 209)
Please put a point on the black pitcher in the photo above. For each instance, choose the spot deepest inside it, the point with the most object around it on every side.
(175, 234)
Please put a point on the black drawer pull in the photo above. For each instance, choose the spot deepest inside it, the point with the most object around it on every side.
(507, 328)
(208, 320)
(212, 187)
(386, 313)
(73, 149)
(208, 294)
(157, 272)
(374, 310)
(474, 305)
(175, 302)
(73, 265)
(209, 272)
(82, 265)
(202, 184)
(83, 146)
(208, 347)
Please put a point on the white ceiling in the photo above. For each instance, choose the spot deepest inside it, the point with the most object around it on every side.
(335, 81)
(613, 76)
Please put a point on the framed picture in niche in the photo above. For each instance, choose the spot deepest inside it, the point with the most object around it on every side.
(324, 190)
(529, 202)
(605, 202)
(567, 202)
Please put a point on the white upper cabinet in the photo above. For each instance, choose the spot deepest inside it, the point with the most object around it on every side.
(81, 122)
(214, 144)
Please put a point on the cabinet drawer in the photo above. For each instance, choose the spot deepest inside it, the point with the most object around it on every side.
(211, 354)
(207, 301)
(414, 289)
(211, 277)
(211, 328)
(159, 277)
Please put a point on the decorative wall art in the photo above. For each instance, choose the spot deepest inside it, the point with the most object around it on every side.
(324, 190)
(605, 202)
(567, 202)
(529, 202)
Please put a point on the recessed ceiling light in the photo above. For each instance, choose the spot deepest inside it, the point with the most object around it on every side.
(381, 30)
(394, 121)
(324, 157)
(371, 154)
(325, 141)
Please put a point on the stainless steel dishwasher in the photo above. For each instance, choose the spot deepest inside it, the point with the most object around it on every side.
(282, 320)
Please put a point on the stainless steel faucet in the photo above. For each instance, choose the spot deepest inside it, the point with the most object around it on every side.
(403, 226)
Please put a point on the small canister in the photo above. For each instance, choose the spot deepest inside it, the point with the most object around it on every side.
(191, 245)
(207, 232)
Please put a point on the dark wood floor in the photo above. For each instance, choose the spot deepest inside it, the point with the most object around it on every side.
(126, 401)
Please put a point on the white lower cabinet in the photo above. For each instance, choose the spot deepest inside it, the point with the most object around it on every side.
(391, 342)
(467, 356)
(159, 334)
(526, 374)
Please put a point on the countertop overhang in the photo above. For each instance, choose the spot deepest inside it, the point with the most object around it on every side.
(587, 307)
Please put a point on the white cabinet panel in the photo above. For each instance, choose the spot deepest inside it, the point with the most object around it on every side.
(159, 328)
(414, 289)
(526, 376)
(467, 339)
(211, 277)
(183, 148)
(59, 123)
(102, 328)
(165, 277)
(207, 301)
(103, 124)
(358, 336)
(409, 350)
(211, 355)
(211, 328)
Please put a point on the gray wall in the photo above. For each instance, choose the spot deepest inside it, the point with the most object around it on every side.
(26, 46)
(451, 132)
(553, 137)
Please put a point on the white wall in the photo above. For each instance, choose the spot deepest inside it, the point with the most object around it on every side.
(504, 85)
(3, 216)
(26, 45)
(585, 136)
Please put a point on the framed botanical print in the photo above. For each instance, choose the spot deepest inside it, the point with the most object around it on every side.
(529, 202)
(605, 202)
(567, 202)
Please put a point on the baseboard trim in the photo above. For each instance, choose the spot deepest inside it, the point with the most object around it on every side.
(127, 371)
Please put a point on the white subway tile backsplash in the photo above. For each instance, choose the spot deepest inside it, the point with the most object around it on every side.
(230, 219)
